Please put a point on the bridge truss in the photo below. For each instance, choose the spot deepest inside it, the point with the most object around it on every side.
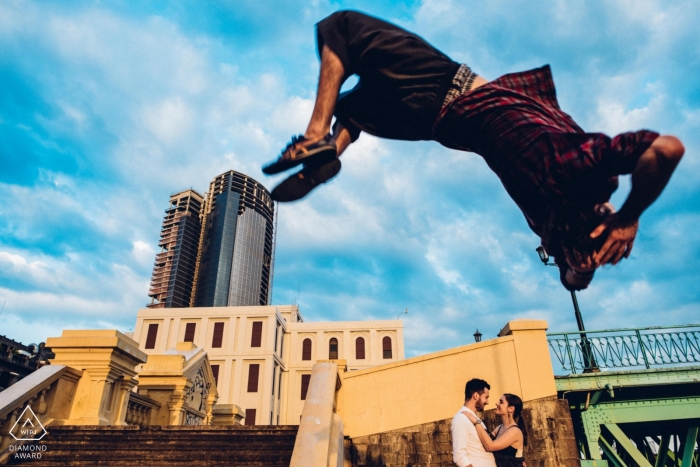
(634, 394)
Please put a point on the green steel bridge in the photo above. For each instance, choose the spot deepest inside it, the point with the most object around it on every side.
(634, 394)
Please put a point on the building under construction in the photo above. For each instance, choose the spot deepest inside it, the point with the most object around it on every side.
(216, 250)
(173, 273)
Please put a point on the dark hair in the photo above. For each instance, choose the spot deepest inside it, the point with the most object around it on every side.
(517, 403)
(570, 226)
(475, 385)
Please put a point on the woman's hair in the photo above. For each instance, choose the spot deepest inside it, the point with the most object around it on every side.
(517, 403)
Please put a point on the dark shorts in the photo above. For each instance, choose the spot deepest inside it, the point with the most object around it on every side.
(403, 79)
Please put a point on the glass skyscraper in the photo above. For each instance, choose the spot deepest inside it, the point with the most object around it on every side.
(234, 253)
(236, 247)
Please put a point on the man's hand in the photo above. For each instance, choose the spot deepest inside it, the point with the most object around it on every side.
(620, 239)
(649, 177)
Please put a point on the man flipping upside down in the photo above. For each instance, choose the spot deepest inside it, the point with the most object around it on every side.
(559, 176)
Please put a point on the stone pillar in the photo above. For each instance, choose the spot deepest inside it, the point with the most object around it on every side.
(176, 404)
(169, 377)
(227, 414)
(534, 366)
(108, 360)
(127, 384)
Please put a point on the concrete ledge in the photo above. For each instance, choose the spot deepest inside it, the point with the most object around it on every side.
(227, 414)
(102, 338)
(523, 325)
(26, 388)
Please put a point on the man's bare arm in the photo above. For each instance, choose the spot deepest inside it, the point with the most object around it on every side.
(651, 174)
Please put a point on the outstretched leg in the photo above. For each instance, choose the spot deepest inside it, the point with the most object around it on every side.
(330, 79)
(316, 146)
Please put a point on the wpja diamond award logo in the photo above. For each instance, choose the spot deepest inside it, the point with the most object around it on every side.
(27, 428)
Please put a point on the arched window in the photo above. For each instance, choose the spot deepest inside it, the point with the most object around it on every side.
(360, 348)
(306, 350)
(386, 346)
(333, 349)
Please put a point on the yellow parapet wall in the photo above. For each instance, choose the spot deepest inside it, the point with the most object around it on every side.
(431, 387)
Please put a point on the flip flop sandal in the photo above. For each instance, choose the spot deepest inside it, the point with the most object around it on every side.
(301, 183)
(301, 150)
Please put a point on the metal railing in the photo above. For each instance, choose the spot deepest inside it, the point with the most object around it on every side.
(625, 348)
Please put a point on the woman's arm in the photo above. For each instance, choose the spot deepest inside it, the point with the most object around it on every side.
(506, 439)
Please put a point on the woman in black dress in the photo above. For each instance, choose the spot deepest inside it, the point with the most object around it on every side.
(506, 442)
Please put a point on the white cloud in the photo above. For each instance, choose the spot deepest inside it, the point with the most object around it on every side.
(143, 252)
(615, 116)
(35, 270)
(170, 120)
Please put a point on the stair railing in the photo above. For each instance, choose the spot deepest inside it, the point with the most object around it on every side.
(320, 440)
(49, 392)
(142, 410)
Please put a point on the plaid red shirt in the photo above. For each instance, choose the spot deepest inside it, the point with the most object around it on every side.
(544, 159)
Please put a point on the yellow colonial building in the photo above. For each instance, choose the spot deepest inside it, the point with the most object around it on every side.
(261, 356)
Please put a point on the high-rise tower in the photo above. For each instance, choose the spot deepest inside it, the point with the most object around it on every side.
(235, 258)
(173, 273)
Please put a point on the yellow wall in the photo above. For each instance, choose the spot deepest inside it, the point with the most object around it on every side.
(431, 387)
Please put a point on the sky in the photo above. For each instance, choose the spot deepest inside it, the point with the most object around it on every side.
(108, 107)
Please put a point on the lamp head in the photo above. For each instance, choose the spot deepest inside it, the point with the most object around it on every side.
(544, 257)
(477, 336)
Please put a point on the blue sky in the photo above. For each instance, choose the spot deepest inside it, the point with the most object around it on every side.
(107, 107)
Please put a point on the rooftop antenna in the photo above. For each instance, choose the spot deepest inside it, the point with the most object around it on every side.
(296, 300)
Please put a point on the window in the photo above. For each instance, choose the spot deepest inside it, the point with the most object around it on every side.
(386, 346)
(306, 350)
(360, 348)
(274, 375)
(256, 338)
(189, 332)
(151, 337)
(304, 385)
(250, 416)
(218, 338)
(215, 371)
(253, 372)
(333, 349)
(279, 388)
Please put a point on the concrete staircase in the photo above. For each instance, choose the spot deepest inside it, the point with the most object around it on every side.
(156, 446)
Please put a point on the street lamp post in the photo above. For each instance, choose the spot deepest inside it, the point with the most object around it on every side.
(589, 361)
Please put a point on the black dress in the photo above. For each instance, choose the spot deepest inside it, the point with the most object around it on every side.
(506, 456)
